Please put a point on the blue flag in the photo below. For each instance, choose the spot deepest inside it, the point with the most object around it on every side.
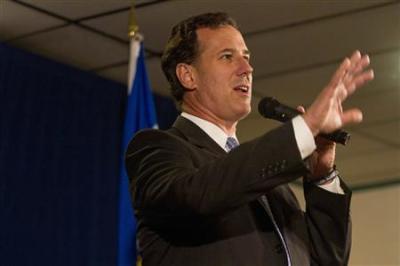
(140, 113)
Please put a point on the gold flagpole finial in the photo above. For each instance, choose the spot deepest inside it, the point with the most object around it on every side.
(133, 25)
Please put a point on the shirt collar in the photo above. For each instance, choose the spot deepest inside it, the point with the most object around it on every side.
(212, 130)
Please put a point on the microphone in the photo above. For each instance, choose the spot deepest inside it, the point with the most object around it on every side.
(271, 108)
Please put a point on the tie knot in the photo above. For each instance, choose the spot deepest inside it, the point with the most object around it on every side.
(231, 143)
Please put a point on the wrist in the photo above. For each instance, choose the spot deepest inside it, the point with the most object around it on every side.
(326, 179)
(308, 120)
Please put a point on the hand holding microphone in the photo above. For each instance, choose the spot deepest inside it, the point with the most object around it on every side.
(271, 108)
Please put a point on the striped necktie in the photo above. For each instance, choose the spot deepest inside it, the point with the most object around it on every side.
(231, 143)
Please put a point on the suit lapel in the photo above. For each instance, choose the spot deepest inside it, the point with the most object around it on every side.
(196, 136)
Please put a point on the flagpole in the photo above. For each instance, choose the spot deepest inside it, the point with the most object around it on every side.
(139, 113)
(133, 25)
(134, 47)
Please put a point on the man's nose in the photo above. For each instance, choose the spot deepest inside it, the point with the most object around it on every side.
(245, 67)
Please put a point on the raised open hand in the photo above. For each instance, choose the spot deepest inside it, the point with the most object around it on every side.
(326, 113)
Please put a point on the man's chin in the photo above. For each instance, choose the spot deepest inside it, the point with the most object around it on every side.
(244, 113)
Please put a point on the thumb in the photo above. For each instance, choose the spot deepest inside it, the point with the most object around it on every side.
(301, 109)
(352, 116)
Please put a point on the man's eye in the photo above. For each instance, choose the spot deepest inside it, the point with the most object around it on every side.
(226, 56)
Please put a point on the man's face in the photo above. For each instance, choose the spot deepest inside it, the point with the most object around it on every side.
(222, 75)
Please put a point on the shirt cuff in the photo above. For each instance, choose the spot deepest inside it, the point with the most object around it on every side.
(304, 137)
(333, 186)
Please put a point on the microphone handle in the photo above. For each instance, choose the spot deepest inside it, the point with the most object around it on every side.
(338, 136)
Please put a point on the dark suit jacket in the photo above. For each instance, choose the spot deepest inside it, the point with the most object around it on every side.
(197, 205)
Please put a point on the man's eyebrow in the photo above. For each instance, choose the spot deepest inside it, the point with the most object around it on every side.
(245, 51)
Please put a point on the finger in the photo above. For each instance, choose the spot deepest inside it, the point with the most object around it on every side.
(359, 80)
(355, 57)
(340, 72)
(341, 92)
(365, 77)
(354, 61)
(345, 67)
(358, 76)
(355, 70)
(301, 109)
(361, 64)
(352, 116)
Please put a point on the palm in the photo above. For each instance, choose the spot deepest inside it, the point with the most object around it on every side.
(326, 114)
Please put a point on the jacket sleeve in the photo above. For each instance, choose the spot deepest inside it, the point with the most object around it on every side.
(329, 225)
(168, 177)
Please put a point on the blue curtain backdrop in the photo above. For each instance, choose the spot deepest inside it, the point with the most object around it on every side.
(60, 139)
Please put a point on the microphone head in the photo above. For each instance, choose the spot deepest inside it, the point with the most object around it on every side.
(267, 107)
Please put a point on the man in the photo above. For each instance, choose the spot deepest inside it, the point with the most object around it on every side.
(200, 201)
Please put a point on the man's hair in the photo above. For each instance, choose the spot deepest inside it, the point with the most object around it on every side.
(183, 47)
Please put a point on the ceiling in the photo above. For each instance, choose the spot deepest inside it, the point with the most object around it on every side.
(296, 46)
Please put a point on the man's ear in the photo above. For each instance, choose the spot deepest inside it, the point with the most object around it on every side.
(185, 74)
